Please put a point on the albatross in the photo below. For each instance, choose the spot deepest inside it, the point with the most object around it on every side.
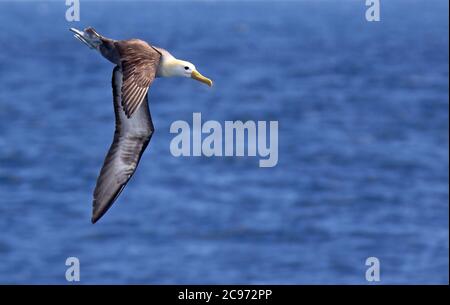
(137, 63)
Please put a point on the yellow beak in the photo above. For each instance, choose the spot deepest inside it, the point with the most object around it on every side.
(196, 75)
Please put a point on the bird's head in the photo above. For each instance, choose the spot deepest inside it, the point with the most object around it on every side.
(176, 67)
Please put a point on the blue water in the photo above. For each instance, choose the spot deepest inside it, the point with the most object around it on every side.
(363, 145)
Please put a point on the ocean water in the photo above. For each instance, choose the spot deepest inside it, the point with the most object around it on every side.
(363, 145)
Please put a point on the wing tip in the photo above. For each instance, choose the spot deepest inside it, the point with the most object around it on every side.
(99, 210)
(97, 213)
(95, 217)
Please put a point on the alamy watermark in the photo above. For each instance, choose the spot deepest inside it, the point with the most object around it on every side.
(230, 140)
(373, 10)
(373, 272)
(73, 272)
(73, 10)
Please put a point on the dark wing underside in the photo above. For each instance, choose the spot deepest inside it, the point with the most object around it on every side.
(131, 137)
(139, 63)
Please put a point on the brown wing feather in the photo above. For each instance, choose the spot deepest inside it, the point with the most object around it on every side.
(139, 63)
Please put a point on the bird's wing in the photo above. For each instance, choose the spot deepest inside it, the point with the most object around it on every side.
(139, 63)
(131, 137)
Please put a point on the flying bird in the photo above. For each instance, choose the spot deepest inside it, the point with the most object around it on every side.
(137, 65)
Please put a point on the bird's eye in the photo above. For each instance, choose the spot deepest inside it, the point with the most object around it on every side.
(186, 68)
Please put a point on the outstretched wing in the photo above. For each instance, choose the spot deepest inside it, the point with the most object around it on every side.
(139, 63)
(131, 137)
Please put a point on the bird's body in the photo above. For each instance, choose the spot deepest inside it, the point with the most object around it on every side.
(137, 65)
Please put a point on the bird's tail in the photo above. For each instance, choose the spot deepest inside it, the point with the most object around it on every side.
(89, 37)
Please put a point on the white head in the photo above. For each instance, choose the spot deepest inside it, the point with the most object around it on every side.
(175, 67)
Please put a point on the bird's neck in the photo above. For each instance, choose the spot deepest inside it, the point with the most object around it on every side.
(166, 66)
